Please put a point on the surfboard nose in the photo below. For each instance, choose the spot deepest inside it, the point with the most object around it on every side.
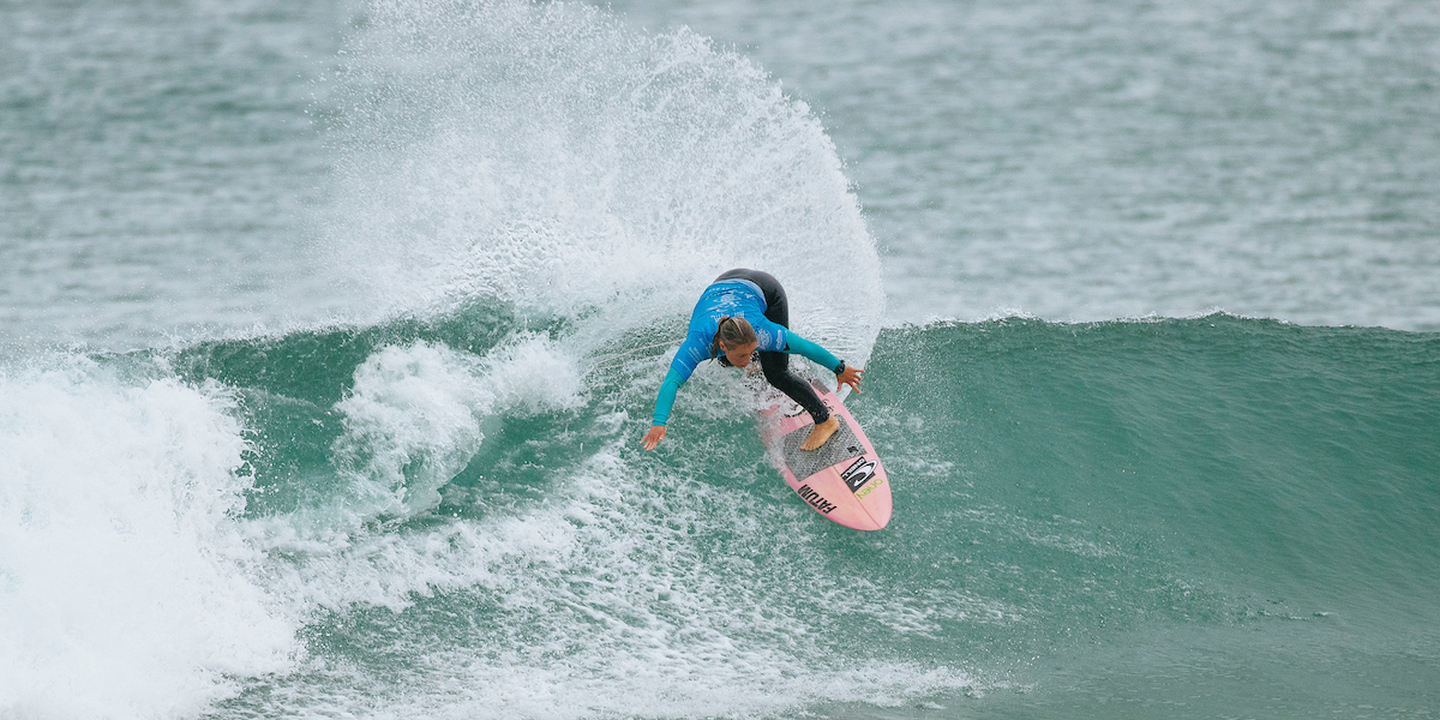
(865, 507)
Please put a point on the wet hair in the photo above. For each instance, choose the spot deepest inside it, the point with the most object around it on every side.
(734, 332)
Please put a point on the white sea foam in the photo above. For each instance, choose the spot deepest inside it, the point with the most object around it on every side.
(602, 605)
(125, 586)
(413, 417)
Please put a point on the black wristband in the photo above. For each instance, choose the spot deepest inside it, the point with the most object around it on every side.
(840, 368)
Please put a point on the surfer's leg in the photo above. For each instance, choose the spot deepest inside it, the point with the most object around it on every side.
(777, 372)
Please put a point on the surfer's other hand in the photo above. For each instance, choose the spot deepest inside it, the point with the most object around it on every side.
(653, 438)
(849, 376)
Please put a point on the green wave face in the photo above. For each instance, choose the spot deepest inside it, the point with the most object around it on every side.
(1083, 512)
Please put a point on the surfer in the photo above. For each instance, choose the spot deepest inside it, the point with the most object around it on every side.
(742, 312)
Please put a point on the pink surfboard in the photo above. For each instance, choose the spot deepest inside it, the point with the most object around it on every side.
(843, 479)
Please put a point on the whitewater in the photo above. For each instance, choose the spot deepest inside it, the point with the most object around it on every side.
(329, 335)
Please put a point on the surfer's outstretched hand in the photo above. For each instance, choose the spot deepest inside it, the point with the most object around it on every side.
(653, 438)
(849, 376)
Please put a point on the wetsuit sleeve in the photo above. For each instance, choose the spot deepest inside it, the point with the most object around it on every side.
(682, 366)
(809, 350)
(666, 398)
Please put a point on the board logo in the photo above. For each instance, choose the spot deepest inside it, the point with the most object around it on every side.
(858, 473)
(817, 502)
(870, 488)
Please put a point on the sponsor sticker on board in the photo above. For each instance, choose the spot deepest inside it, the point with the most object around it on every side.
(858, 473)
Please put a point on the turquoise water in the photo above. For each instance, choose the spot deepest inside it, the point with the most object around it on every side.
(1215, 517)
(331, 332)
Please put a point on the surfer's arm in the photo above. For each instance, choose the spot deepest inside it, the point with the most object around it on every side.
(810, 351)
(663, 401)
(844, 374)
(666, 398)
(690, 354)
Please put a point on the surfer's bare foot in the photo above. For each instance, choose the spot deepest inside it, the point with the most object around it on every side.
(820, 433)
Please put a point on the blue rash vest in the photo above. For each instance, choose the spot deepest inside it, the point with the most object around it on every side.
(737, 298)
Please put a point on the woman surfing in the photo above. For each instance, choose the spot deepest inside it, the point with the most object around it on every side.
(741, 312)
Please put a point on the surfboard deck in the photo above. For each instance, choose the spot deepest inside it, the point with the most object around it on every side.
(844, 479)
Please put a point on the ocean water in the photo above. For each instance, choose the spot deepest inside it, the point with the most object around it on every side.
(330, 330)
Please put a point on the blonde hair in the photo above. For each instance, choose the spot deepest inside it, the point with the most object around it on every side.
(734, 332)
